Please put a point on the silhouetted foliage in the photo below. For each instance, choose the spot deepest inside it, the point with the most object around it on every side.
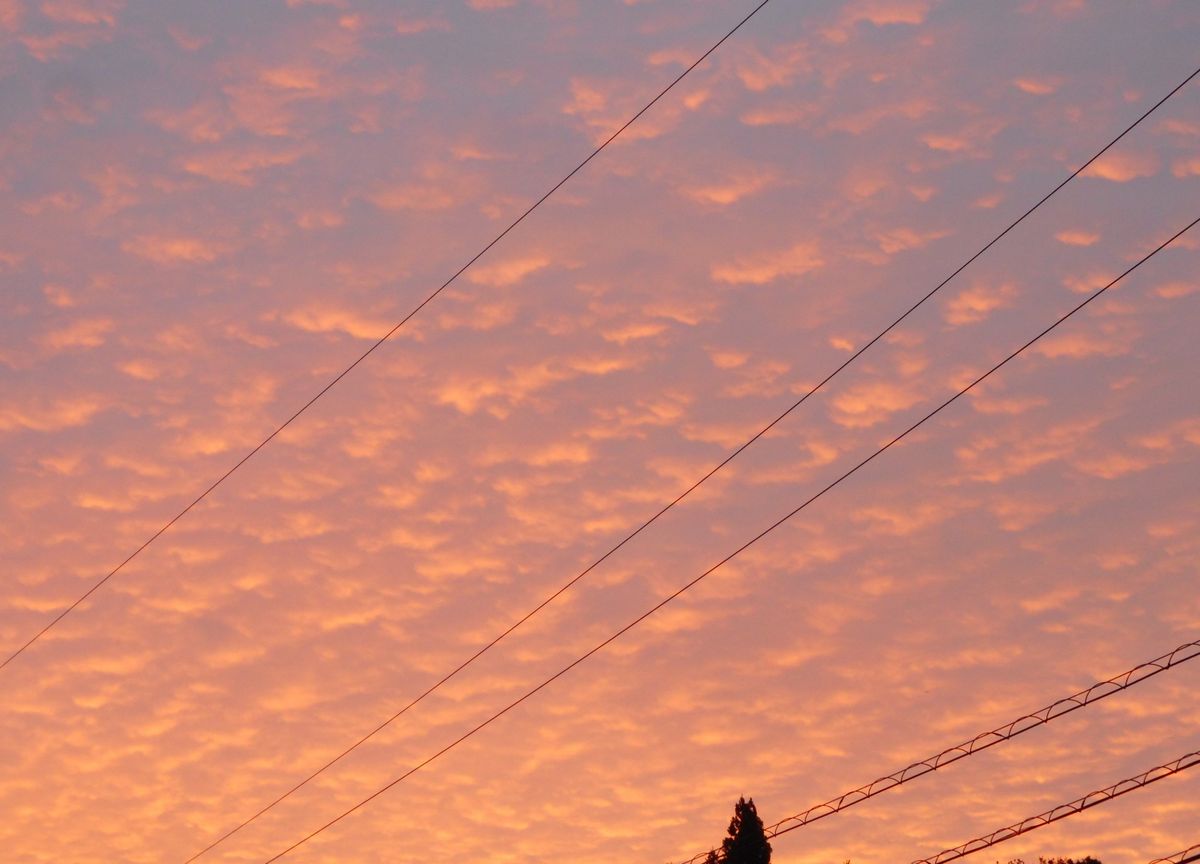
(1088, 860)
(712, 857)
(747, 841)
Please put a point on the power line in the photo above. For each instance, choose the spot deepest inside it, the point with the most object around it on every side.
(382, 339)
(681, 496)
(494, 717)
(984, 740)
(1192, 853)
(1062, 811)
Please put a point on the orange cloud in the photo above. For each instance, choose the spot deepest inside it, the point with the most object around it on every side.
(501, 274)
(45, 416)
(1036, 86)
(797, 260)
(1122, 166)
(236, 166)
(173, 249)
(729, 191)
(975, 304)
(869, 403)
(85, 333)
(1077, 238)
(325, 319)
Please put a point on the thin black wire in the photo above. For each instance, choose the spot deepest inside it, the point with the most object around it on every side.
(1088, 300)
(696, 485)
(387, 335)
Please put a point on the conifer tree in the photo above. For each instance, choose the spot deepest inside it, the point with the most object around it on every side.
(747, 841)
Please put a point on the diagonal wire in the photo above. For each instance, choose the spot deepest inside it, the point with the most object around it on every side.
(984, 740)
(669, 598)
(1062, 811)
(381, 340)
(1192, 853)
(685, 493)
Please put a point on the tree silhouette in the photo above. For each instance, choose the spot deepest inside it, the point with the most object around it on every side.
(747, 841)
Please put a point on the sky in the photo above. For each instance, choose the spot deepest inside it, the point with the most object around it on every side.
(211, 209)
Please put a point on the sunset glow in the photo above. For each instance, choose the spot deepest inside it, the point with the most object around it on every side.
(213, 209)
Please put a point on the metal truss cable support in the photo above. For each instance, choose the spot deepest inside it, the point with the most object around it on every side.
(1187, 856)
(388, 335)
(500, 637)
(984, 740)
(1062, 811)
(1099, 292)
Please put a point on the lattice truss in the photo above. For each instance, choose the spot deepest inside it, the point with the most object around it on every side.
(1062, 811)
(1192, 853)
(984, 740)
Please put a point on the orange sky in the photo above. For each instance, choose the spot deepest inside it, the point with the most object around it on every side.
(212, 208)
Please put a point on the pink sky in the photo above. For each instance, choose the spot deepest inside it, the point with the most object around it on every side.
(212, 208)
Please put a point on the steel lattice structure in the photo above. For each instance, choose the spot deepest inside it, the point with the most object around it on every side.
(1192, 853)
(984, 740)
(1062, 811)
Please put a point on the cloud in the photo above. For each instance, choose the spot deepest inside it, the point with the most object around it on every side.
(511, 271)
(1037, 86)
(633, 331)
(604, 106)
(1122, 166)
(872, 402)
(797, 260)
(84, 333)
(236, 166)
(976, 303)
(1105, 339)
(880, 13)
(903, 239)
(1188, 167)
(45, 415)
(206, 121)
(468, 393)
(436, 186)
(174, 249)
(326, 319)
(996, 457)
(102, 12)
(1077, 238)
(759, 72)
(728, 191)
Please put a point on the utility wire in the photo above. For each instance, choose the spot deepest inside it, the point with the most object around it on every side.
(984, 740)
(681, 496)
(494, 717)
(1192, 853)
(1062, 811)
(382, 338)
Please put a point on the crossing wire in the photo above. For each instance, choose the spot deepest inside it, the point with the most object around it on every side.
(479, 652)
(1192, 853)
(429, 299)
(1062, 811)
(984, 740)
(669, 598)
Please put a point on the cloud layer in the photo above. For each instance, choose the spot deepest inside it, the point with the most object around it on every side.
(207, 218)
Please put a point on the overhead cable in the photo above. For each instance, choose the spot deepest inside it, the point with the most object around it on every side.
(479, 652)
(669, 598)
(371, 350)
